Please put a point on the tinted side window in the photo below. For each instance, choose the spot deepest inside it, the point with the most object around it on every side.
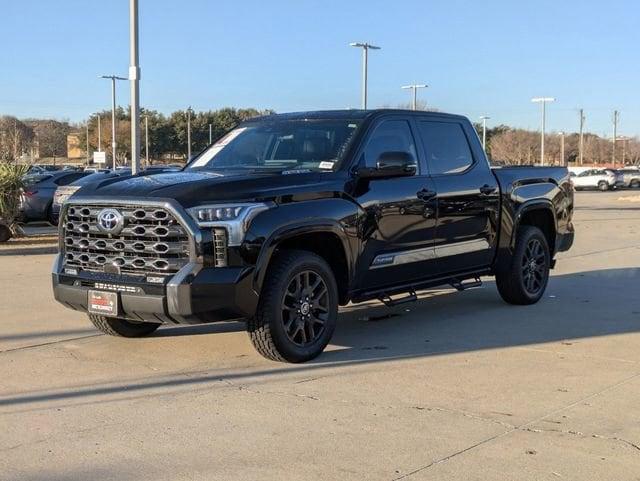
(389, 136)
(446, 147)
(67, 179)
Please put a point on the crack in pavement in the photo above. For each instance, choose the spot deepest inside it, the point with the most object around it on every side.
(32, 346)
(524, 427)
(582, 435)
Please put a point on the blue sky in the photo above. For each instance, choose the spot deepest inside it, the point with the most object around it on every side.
(478, 57)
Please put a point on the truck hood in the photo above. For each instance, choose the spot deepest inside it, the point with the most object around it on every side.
(193, 188)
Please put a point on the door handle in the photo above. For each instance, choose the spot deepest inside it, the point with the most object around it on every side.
(426, 194)
(487, 189)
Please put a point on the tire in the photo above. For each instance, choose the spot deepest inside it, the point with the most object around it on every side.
(121, 327)
(603, 186)
(635, 183)
(280, 330)
(5, 233)
(50, 219)
(514, 285)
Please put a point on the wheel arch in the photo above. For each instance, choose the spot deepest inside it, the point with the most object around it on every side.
(326, 239)
(540, 214)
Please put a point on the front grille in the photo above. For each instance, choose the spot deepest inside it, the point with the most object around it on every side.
(151, 241)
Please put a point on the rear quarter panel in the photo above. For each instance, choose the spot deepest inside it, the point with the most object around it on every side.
(526, 188)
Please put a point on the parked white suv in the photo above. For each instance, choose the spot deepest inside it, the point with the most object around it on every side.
(601, 179)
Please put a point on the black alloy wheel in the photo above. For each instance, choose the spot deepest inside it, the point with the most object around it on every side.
(305, 308)
(534, 266)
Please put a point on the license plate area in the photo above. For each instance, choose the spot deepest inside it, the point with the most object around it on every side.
(103, 303)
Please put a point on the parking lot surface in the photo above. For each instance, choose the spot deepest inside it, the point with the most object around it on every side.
(458, 386)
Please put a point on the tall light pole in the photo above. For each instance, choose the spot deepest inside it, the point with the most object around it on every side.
(87, 143)
(616, 117)
(543, 101)
(113, 116)
(484, 119)
(414, 93)
(365, 61)
(210, 134)
(189, 110)
(146, 138)
(99, 135)
(581, 145)
(562, 161)
(134, 78)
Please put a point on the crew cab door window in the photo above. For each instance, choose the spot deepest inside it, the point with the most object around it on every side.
(389, 136)
(446, 147)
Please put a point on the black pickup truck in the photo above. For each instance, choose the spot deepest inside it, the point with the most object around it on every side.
(289, 216)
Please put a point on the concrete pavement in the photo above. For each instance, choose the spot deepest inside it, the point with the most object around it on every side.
(458, 386)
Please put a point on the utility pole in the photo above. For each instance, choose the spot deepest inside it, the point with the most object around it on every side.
(562, 161)
(414, 93)
(365, 61)
(134, 78)
(99, 135)
(189, 110)
(484, 119)
(113, 116)
(616, 116)
(210, 134)
(543, 101)
(146, 139)
(581, 145)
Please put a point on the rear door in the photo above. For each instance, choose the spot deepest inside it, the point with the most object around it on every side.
(468, 196)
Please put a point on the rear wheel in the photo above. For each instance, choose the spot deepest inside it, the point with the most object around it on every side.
(603, 186)
(523, 278)
(121, 327)
(5, 233)
(298, 308)
(635, 183)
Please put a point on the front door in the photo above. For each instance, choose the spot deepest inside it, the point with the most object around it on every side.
(397, 230)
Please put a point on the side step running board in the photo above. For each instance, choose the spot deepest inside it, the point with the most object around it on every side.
(464, 285)
(389, 302)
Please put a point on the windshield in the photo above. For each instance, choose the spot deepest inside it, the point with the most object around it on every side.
(281, 145)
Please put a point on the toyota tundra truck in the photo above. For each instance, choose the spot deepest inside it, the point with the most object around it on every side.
(287, 217)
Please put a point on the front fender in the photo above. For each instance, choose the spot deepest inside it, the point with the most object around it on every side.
(336, 216)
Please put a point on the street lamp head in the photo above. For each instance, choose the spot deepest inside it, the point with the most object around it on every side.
(414, 86)
(484, 117)
(364, 45)
(543, 99)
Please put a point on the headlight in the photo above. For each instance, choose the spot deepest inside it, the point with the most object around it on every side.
(62, 194)
(233, 217)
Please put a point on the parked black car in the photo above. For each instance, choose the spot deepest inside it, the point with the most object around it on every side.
(37, 199)
(289, 216)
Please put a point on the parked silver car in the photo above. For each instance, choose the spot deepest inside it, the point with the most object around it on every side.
(630, 177)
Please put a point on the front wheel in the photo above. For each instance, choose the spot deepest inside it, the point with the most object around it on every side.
(298, 308)
(121, 327)
(603, 186)
(523, 278)
(634, 184)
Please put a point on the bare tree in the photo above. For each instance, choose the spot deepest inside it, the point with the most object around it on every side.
(16, 138)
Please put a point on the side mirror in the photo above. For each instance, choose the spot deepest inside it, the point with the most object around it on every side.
(389, 165)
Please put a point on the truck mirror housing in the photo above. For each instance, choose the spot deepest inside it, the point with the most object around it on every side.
(389, 165)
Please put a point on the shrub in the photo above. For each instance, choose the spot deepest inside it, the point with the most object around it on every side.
(10, 189)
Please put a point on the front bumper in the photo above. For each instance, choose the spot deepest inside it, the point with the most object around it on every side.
(194, 295)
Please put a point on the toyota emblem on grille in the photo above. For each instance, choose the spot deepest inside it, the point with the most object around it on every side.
(110, 221)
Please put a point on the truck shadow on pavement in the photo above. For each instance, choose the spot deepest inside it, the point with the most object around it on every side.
(575, 306)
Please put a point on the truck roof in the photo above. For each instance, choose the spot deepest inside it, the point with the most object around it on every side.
(352, 114)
